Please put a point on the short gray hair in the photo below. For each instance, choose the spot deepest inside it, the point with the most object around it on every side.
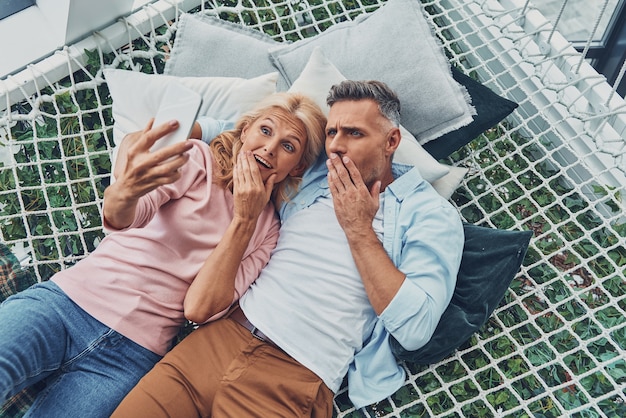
(381, 93)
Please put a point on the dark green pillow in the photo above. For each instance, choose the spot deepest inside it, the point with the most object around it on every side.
(491, 259)
(490, 108)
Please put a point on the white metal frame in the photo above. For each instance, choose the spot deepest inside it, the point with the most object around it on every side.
(29, 80)
(48, 25)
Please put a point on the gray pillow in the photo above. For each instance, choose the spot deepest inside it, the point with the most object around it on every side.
(408, 57)
(206, 46)
(394, 44)
(491, 259)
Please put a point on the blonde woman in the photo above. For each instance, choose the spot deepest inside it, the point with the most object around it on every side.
(178, 219)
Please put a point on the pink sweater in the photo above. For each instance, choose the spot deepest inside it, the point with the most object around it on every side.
(135, 281)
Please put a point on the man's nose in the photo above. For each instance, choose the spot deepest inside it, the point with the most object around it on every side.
(337, 144)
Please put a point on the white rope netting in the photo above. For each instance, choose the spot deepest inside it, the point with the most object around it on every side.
(555, 347)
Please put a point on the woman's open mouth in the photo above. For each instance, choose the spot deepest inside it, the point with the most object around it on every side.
(263, 162)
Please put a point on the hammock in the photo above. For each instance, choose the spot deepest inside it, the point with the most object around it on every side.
(556, 345)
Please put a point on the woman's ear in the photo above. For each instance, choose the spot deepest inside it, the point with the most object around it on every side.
(242, 135)
(298, 170)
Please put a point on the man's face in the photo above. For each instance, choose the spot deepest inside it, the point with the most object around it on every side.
(358, 130)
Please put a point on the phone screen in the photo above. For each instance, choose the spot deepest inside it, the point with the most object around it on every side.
(182, 104)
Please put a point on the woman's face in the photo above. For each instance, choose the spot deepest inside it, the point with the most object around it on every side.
(277, 142)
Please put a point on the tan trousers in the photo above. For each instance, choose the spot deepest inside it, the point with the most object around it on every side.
(222, 370)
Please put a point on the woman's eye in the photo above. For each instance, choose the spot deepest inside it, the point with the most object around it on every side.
(289, 147)
(265, 130)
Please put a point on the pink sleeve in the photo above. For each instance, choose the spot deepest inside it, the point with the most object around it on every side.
(257, 255)
(253, 263)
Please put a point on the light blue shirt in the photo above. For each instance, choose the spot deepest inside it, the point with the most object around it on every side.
(212, 127)
(423, 235)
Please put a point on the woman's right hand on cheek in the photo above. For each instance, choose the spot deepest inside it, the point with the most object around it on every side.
(251, 194)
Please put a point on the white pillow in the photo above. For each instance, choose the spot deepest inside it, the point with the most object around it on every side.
(446, 185)
(136, 96)
(316, 79)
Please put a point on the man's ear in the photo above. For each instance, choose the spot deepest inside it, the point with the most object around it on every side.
(393, 140)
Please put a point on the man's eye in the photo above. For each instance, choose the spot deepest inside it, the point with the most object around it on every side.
(331, 132)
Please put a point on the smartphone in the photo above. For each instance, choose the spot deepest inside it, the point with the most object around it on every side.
(182, 104)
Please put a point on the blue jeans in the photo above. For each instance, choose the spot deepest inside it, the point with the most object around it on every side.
(88, 368)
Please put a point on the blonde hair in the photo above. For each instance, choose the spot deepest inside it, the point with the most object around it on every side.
(297, 107)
